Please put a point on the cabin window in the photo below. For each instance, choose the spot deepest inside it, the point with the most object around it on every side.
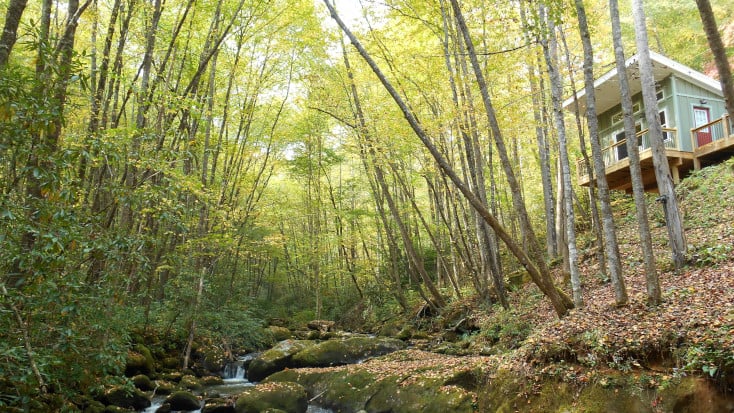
(621, 145)
(617, 117)
(664, 125)
(636, 107)
(659, 92)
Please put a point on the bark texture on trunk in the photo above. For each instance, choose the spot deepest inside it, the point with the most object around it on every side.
(651, 276)
(719, 52)
(668, 200)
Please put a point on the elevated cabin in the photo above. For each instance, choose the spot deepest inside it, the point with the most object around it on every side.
(696, 129)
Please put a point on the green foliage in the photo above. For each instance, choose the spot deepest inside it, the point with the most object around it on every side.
(507, 329)
(705, 255)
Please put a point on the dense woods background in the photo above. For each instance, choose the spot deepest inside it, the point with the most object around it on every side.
(195, 167)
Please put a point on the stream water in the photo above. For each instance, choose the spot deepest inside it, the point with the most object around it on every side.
(234, 383)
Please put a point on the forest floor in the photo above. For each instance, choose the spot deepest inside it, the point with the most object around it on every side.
(690, 333)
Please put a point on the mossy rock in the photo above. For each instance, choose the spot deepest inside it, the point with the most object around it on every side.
(190, 382)
(139, 361)
(211, 359)
(183, 400)
(353, 388)
(339, 390)
(212, 380)
(126, 398)
(509, 393)
(287, 396)
(426, 395)
(391, 329)
(217, 405)
(173, 377)
(94, 407)
(143, 382)
(275, 359)
(346, 351)
(280, 333)
(164, 387)
(170, 363)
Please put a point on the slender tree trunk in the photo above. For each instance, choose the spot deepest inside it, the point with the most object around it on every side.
(718, 50)
(595, 217)
(638, 189)
(673, 221)
(549, 46)
(192, 322)
(10, 29)
(607, 215)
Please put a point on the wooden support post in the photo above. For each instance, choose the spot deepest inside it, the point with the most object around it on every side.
(696, 163)
(675, 173)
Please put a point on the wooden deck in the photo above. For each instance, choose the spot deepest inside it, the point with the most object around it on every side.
(721, 146)
(681, 163)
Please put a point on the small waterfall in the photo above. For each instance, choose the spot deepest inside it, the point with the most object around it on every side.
(235, 370)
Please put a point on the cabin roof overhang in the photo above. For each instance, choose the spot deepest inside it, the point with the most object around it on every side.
(607, 86)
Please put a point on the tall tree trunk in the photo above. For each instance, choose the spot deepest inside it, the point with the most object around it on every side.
(638, 188)
(607, 215)
(549, 47)
(673, 221)
(718, 50)
(596, 225)
(10, 29)
(537, 91)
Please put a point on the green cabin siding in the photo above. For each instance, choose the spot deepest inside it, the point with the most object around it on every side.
(689, 96)
(679, 99)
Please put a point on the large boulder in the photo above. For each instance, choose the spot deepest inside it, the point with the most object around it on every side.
(280, 333)
(143, 382)
(320, 325)
(275, 359)
(126, 398)
(183, 400)
(286, 396)
(405, 381)
(190, 382)
(346, 351)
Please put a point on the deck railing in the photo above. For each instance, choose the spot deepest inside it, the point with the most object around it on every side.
(617, 151)
(713, 131)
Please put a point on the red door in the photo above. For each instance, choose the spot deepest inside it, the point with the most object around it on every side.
(702, 116)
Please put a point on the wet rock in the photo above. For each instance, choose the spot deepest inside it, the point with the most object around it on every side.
(286, 396)
(164, 408)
